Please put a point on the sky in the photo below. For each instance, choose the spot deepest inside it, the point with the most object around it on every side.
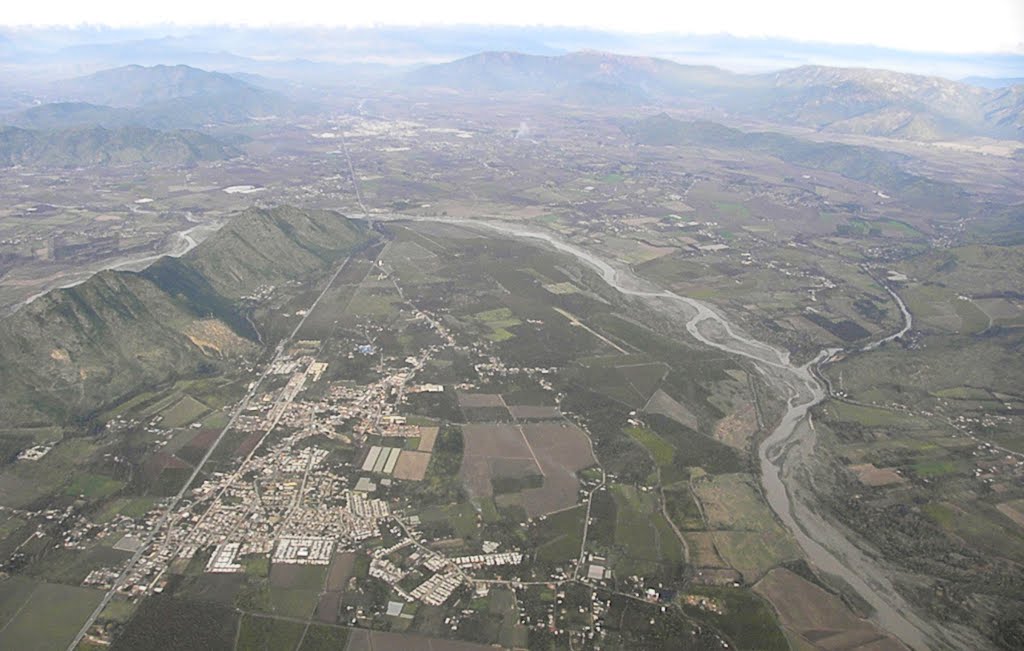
(949, 26)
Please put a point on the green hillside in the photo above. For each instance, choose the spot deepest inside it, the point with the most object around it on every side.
(881, 169)
(268, 247)
(99, 146)
(75, 351)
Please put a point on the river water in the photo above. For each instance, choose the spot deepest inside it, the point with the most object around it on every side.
(783, 452)
(184, 242)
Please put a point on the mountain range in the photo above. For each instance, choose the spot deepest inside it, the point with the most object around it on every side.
(832, 100)
(135, 85)
(318, 53)
(840, 100)
(157, 97)
(70, 353)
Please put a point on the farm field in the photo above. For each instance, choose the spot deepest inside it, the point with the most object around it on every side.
(29, 614)
(488, 395)
(818, 617)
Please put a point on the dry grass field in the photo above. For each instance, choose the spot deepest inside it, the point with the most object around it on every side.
(869, 475)
(820, 618)
(488, 449)
(562, 449)
(534, 412)
(480, 400)
(555, 450)
(427, 437)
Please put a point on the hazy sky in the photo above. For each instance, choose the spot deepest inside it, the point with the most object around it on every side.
(921, 25)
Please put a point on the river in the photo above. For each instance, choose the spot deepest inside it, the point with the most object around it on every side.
(184, 241)
(783, 452)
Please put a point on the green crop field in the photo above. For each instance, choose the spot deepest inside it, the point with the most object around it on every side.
(871, 416)
(733, 502)
(93, 486)
(752, 553)
(261, 633)
(660, 449)
(559, 536)
(49, 617)
(748, 620)
(324, 638)
(183, 412)
(643, 537)
(496, 315)
(934, 468)
(131, 507)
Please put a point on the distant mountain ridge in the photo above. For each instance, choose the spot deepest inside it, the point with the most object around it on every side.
(73, 352)
(134, 85)
(565, 75)
(157, 97)
(886, 103)
(842, 100)
(267, 50)
(98, 146)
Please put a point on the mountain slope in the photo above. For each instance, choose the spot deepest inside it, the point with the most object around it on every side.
(881, 102)
(269, 247)
(73, 352)
(133, 86)
(99, 146)
(67, 115)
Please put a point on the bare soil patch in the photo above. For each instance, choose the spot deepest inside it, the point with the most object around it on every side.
(340, 571)
(869, 475)
(428, 435)
(480, 400)
(203, 439)
(534, 412)
(666, 405)
(328, 606)
(702, 550)
(738, 428)
(412, 465)
(1014, 510)
(156, 463)
(248, 444)
(819, 617)
(491, 450)
(561, 449)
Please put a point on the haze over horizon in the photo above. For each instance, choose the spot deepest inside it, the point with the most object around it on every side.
(985, 26)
